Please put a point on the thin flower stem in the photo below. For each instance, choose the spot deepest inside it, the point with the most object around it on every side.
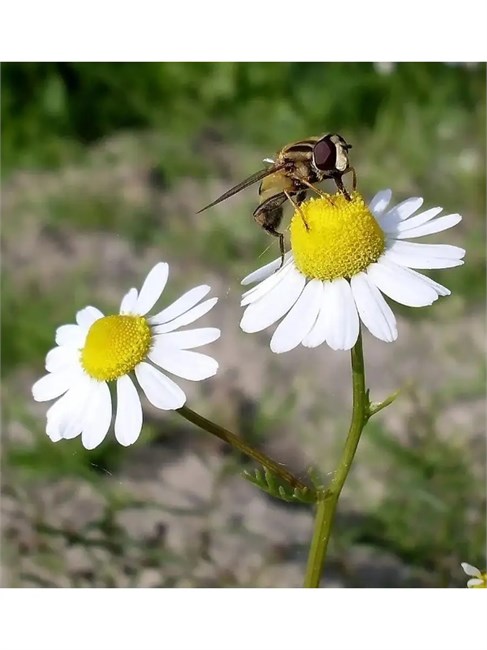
(328, 498)
(242, 446)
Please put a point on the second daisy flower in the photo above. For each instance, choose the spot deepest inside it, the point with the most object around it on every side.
(99, 350)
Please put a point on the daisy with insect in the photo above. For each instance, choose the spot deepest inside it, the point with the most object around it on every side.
(344, 256)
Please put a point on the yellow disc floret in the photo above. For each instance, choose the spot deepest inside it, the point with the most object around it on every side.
(115, 345)
(332, 237)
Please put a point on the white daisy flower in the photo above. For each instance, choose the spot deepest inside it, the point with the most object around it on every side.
(344, 256)
(478, 579)
(102, 349)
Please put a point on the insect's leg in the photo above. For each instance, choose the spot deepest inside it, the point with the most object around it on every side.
(341, 187)
(281, 248)
(354, 178)
(269, 216)
(352, 171)
(296, 207)
(315, 189)
(275, 233)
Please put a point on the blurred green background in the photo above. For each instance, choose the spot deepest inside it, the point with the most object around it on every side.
(103, 168)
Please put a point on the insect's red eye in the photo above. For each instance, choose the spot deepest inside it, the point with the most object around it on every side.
(324, 155)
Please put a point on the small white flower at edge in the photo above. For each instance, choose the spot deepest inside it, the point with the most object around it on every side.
(478, 579)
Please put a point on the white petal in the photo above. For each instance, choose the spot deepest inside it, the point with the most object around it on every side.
(65, 417)
(98, 416)
(417, 220)
(188, 338)
(475, 582)
(57, 411)
(471, 570)
(53, 432)
(54, 384)
(393, 226)
(255, 293)
(152, 288)
(265, 271)
(61, 358)
(299, 321)
(373, 310)
(424, 256)
(380, 202)
(401, 285)
(439, 288)
(317, 334)
(186, 318)
(395, 222)
(129, 301)
(128, 421)
(421, 218)
(185, 364)
(274, 304)
(435, 225)
(400, 212)
(161, 391)
(181, 305)
(342, 323)
(406, 208)
(87, 316)
(70, 335)
(54, 414)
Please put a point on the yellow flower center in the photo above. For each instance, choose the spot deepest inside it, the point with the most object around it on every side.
(332, 237)
(115, 345)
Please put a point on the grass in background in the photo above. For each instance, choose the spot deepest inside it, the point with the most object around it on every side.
(421, 125)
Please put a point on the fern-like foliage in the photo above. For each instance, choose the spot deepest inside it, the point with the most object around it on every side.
(275, 486)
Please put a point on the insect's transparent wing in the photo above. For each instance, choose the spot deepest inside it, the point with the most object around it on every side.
(258, 176)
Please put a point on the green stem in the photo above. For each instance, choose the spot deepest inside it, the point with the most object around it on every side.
(375, 407)
(242, 446)
(328, 498)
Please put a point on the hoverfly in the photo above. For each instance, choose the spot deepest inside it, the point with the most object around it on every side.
(297, 166)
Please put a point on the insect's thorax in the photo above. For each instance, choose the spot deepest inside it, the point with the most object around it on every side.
(299, 159)
(301, 150)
